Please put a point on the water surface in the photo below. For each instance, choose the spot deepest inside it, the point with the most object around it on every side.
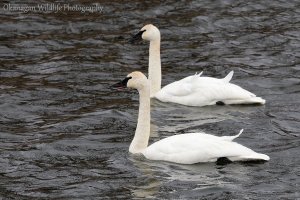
(65, 135)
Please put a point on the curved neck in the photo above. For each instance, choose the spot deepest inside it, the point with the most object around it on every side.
(142, 132)
(154, 71)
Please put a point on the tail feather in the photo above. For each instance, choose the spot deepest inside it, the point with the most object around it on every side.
(199, 74)
(228, 77)
(252, 157)
(252, 100)
(230, 138)
(257, 100)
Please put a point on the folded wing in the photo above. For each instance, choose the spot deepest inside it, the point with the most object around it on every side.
(199, 147)
(201, 91)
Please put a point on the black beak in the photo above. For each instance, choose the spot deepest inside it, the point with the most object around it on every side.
(137, 37)
(122, 84)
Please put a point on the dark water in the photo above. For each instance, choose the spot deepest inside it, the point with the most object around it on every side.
(65, 135)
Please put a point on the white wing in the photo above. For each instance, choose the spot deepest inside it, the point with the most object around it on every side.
(199, 147)
(201, 91)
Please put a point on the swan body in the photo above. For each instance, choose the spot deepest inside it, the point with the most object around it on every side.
(187, 148)
(193, 90)
(201, 91)
(199, 147)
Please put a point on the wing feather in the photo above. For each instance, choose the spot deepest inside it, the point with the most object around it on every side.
(200, 91)
(195, 147)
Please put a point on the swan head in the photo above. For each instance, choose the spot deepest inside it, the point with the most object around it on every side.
(149, 32)
(136, 80)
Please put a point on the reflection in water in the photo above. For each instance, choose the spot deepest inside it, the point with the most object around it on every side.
(151, 187)
(200, 177)
(182, 118)
(65, 135)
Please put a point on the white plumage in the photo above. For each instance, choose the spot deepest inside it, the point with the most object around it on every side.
(193, 148)
(193, 90)
(200, 91)
(187, 148)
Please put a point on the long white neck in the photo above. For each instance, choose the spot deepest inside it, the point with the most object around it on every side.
(142, 132)
(154, 66)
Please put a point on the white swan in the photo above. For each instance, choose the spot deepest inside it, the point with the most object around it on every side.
(187, 148)
(193, 90)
